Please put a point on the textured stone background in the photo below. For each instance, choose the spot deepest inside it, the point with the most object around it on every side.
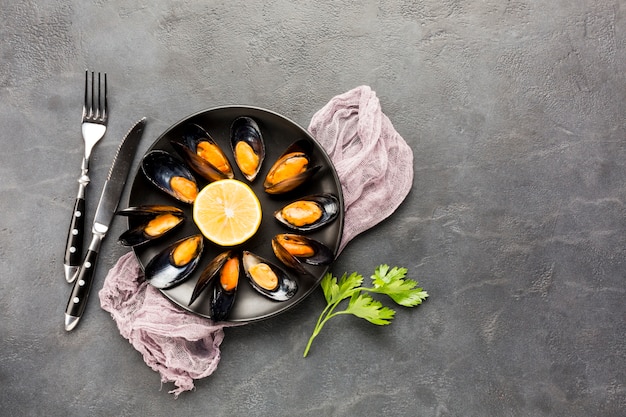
(515, 223)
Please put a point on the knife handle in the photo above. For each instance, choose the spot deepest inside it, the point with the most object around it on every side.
(82, 285)
(74, 246)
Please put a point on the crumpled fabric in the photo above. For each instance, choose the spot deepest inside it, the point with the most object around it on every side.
(375, 168)
(178, 345)
(373, 162)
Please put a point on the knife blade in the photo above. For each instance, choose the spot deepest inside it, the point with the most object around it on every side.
(109, 200)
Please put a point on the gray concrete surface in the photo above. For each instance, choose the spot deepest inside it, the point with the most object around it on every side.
(515, 223)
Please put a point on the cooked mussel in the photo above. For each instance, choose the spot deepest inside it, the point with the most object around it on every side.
(292, 250)
(293, 168)
(267, 278)
(154, 221)
(202, 153)
(248, 146)
(225, 289)
(212, 270)
(224, 273)
(175, 263)
(170, 175)
(309, 213)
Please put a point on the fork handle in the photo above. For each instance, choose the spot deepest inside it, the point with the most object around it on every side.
(82, 285)
(74, 242)
(74, 246)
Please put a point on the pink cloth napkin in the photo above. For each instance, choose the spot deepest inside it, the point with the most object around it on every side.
(374, 164)
(375, 168)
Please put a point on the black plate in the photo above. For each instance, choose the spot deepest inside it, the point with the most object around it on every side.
(278, 133)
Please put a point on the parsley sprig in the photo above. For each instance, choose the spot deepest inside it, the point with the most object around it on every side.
(391, 282)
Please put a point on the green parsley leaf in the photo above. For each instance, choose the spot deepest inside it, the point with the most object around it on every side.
(330, 287)
(335, 291)
(348, 283)
(392, 283)
(382, 275)
(365, 307)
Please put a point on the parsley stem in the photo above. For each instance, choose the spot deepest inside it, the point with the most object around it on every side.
(326, 315)
(377, 290)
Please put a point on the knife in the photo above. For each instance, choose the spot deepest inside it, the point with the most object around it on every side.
(109, 200)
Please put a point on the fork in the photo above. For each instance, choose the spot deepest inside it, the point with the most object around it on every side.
(94, 125)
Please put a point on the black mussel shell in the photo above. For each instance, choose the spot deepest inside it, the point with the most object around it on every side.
(147, 215)
(166, 270)
(285, 286)
(299, 149)
(148, 210)
(160, 168)
(245, 130)
(286, 258)
(224, 292)
(209, 273)
(222, 303)
(294, 215)
(293, 250)
(187, 147)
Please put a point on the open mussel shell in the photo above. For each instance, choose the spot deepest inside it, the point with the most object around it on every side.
(175, 263)
(309, 213)
(170, 175)
(292, 250)
(202, 153)
(155, 221)
(267, 278)
(248, 146)
(208, 274)
(223, 273)
(225, 289)
(148, 210)
(290, 261)
(293, 168)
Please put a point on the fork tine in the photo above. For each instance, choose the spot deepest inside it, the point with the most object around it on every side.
(105, 112)
(91, 110)
(86, 103)
(97, 115)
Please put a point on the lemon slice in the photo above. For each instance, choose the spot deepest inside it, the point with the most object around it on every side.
(227, 212)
